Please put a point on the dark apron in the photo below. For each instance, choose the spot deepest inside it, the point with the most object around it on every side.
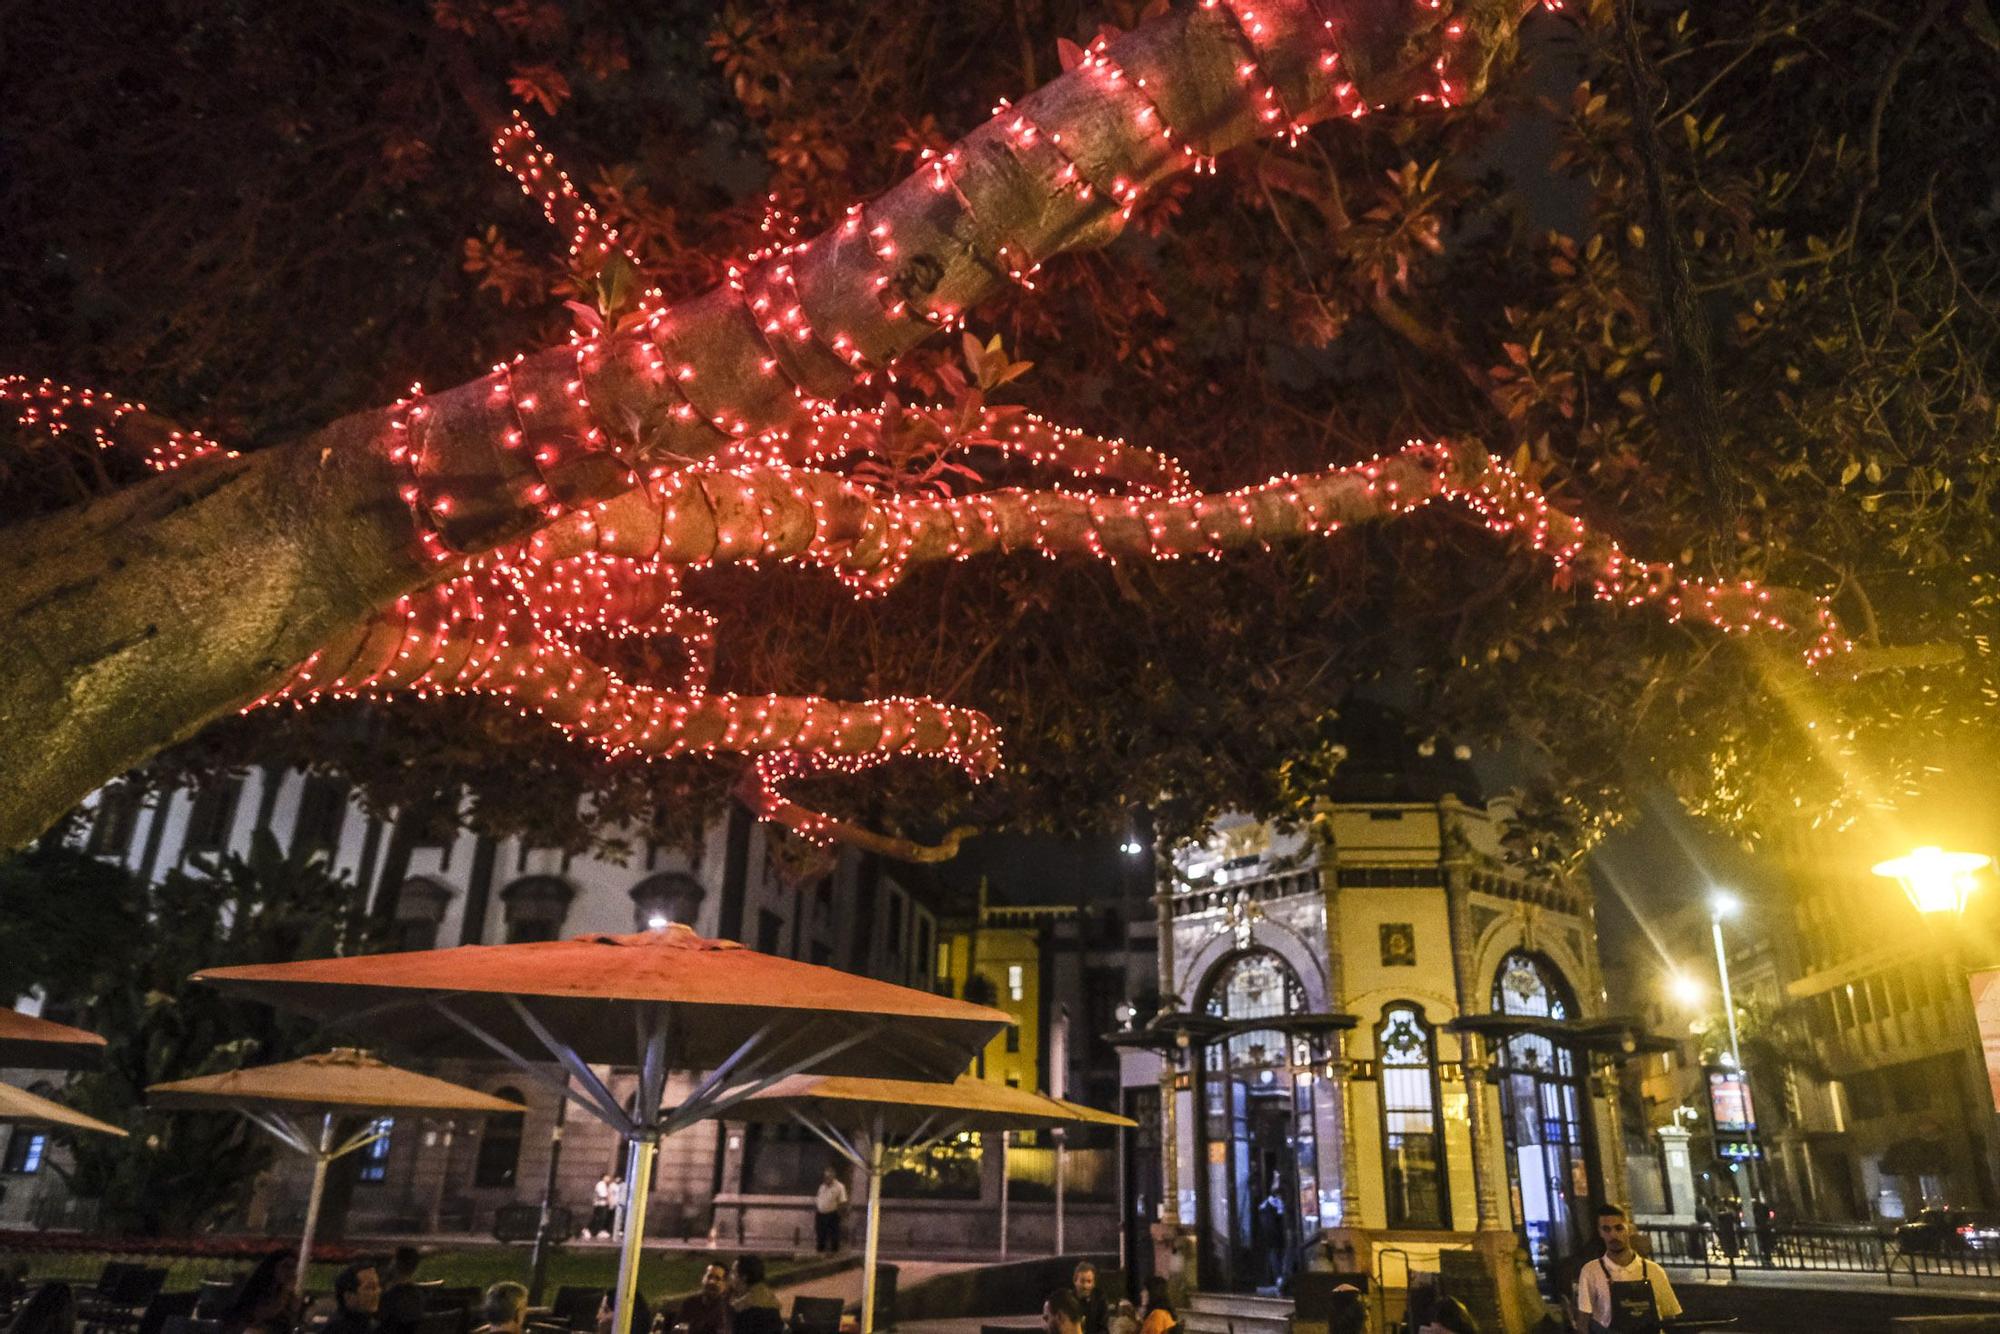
(1634, 1310)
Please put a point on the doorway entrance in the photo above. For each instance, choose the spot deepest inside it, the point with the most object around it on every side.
(1551, 1163)
(1259, 1183)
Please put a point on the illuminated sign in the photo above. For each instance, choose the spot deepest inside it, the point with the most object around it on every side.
(1729, 1102)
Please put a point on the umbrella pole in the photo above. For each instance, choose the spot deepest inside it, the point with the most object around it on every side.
(320, 1161)
(638, 1176)
(1006, 1136)
(873, 1246)
(1062, 1164)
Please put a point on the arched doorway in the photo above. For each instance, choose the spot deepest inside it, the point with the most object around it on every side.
(1258, 1154)
(1544, 1104)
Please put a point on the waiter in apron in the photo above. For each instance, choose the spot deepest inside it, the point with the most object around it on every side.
(1622, 1292)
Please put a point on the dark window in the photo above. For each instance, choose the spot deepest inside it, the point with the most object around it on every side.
(116, 817)
(823, 893)
(896, 909)
(322, 812)
(923, 955)
(1843, 1006)
(1864, 1012)
(500, 1147)
(1412, 1139)
(1013, 1037)
(783, 1160)
(769, 927)
(213, 815)
(660, 900)
(375, 1158)
(1864, 1095)
(535, 907)
(822, 953)
(24, 1152)
(417, 933)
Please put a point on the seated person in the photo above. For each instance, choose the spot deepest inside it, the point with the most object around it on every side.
(753, 1306)
(504, 1310)
(707, 1311)
(357, 1298)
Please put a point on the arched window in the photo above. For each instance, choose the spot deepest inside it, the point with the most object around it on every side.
(420, 906)
(535, 907)
(1413, 1179)
(499, 1160)
(671, 896)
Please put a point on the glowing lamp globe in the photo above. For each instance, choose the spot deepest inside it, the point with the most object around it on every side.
(1936, 881)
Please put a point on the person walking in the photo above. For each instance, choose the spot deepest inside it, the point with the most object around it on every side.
(1622, 1292)
(1764, 1221)
(828, 1203)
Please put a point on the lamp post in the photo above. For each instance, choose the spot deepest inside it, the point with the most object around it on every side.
(1937, 883)
(1721, 904)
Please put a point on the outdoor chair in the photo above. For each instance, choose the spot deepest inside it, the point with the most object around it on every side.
(163, 1308)
(211, 1299)
(121, 1297)
(441, 1298)
(576, 1308)
(816, 1315)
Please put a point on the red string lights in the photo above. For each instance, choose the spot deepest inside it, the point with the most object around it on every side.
(109, 423)
(733, 455)
(522, 624)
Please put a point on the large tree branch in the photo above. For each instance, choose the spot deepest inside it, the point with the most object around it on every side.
(135, 620)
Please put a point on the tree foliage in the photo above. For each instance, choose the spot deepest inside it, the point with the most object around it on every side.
(186, 1171)
(319, 237)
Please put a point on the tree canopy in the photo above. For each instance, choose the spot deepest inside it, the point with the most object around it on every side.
(1750, 331)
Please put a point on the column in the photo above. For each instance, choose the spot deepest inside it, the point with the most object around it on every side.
(1458, 907)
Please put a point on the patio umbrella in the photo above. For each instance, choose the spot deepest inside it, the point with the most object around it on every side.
(18, 1107)
(341, 1082)
(658, 1001)
(38, 1044)
(874, 1122)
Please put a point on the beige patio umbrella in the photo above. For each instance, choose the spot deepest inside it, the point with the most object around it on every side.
(282, 1098)
(873, 1123)
(658, 1001)
(18, 1107)
(39, 1044)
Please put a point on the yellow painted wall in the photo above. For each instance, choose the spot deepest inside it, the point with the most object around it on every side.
(991, 952)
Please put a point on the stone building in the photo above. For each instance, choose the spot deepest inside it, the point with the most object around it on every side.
(1382, 1048)
(457, 887)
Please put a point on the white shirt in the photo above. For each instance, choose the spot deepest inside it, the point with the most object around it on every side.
(1593, 1286)
(831, 1197)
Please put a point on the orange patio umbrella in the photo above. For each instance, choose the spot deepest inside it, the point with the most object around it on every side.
(18, 1107)
(340, 1082)
(38, 1044)
(874, 1123)
(658, 1001)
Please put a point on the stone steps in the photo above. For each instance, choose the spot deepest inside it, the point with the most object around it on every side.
(1236, 1313)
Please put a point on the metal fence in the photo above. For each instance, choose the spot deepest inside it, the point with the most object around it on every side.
(1828, 1249)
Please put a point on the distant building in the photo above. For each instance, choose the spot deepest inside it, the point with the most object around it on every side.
(1870, 1085)
(462, 888)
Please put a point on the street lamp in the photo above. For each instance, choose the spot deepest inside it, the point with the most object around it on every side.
(1686, 989)
(1721, 904)
(1935, 880)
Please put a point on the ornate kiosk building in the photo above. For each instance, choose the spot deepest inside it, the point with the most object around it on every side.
(1380, 1049)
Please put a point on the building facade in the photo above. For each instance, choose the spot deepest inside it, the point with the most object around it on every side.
(457, 887)
(1379, 1042)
